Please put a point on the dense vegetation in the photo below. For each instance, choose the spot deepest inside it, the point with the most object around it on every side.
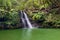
(45, 13)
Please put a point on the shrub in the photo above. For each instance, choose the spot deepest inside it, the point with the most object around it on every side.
(38, 16)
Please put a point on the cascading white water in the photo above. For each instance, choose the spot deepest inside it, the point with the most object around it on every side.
(27, 20)
(23, 19)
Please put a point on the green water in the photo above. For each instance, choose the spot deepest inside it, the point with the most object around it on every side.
(30, 34)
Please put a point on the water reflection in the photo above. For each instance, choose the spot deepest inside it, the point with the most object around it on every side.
(26, 34)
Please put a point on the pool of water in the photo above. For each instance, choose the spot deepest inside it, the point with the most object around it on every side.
(30, 34)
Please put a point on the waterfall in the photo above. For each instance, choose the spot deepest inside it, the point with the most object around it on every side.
(25, 20)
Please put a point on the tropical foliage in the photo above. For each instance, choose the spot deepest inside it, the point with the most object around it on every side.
(44, 12)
